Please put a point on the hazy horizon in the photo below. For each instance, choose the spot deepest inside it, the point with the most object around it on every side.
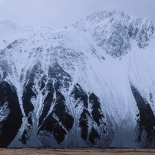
(59, 13)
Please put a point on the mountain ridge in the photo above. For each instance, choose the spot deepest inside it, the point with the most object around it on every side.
(90, 84)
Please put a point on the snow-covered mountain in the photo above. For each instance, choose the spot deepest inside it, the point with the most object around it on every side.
(91, 84)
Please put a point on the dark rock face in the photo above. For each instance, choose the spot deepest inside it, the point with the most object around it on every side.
(96, 109)
(88, 117)
(47, 104)
(25, 136)
(59, 121)
(27, 95)
(84, 124)
(93, 136)
(13, 120)
(80, 94)
(52, 126)
(56, 121)
(62, 111)
(62, 78)
(146, 122)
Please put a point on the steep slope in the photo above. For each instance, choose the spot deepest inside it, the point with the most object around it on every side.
(89, 84)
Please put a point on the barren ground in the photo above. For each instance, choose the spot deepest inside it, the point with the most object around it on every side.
(76, 151)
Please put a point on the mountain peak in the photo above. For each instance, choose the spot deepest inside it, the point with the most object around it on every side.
(100, 15)
(91, 84)
(8, 24)
(113, 30)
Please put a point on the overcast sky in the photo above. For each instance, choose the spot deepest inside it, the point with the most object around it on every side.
(59, 13)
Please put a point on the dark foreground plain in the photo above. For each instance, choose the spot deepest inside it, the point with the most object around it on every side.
(79, 151)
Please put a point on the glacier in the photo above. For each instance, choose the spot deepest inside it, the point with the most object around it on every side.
(89, 84)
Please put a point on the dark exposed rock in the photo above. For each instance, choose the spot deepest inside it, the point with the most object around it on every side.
(146, 120)
(84, 124)
(27, 95)
(12, 123)
(93, 136)
(96, 112)
(80, 94)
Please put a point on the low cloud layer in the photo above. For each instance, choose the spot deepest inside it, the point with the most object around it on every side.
(58, 13)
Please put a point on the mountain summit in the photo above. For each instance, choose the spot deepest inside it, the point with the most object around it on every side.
(90, 84)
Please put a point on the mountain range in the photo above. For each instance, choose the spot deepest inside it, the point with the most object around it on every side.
(89, 84)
